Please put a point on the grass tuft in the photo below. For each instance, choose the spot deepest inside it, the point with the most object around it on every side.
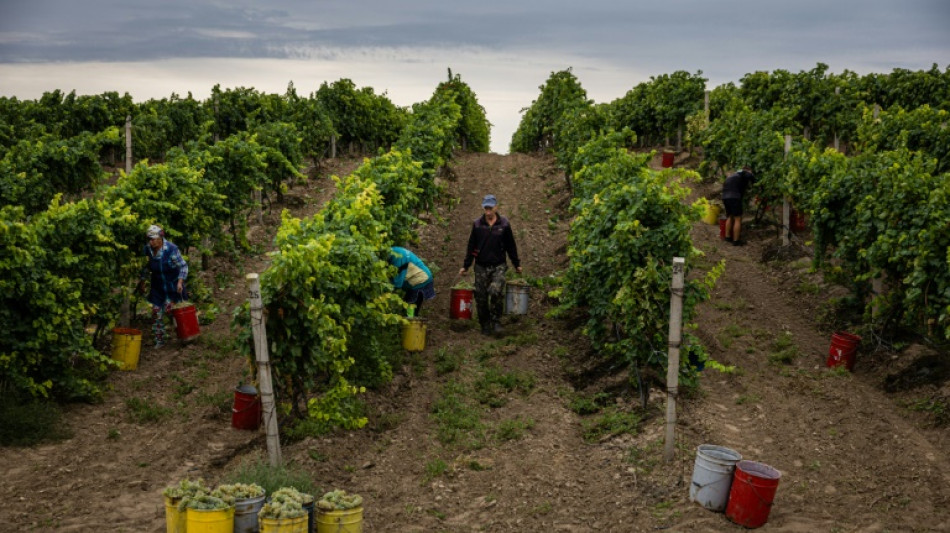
(273, 477)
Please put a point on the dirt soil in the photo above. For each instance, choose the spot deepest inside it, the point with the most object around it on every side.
(854, 455)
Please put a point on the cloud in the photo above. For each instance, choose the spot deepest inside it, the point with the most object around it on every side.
(504, 49)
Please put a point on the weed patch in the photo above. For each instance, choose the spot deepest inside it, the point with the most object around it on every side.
(610, 423)
(457, 422)
(513, 429)
(783, 350)
(272, 477)
(146, 411)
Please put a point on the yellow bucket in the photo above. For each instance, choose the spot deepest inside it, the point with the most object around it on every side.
(283, 525)
(348, 521)
(174, 519)
(414, 335)
(711, 216)
(210, 520)
(126, 346)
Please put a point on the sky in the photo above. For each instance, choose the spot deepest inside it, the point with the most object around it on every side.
(504, 50)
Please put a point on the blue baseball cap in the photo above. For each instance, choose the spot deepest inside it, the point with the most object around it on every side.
(489, 201)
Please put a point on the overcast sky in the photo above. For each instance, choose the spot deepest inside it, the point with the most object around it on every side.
(503, 49)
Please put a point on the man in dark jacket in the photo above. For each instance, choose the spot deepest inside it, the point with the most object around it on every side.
(490, 244)
(733, 190)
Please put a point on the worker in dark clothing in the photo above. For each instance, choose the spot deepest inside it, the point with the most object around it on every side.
(733, 191)
(490, 244)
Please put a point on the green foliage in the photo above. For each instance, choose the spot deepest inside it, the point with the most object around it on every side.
(742, 136)
(923, 129)
(328, 291)
(359, 116)
(33, 171)
(429, 138)
(576, 127)
(658, 108)
(90, 242)
(560, 93)
(400, 182)
(236, 167)
(282, 155)
(174, 195)
(65, 115)
(45, 349)
(233, 110)
(159, 125)
(473, 130)
(313, 123)
(675, 97)
(630, 222)
(884, 214)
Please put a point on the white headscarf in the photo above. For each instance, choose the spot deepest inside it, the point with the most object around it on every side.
(153, 231)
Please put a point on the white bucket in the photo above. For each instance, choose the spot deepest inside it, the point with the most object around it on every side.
(712, 476)
(516, 299)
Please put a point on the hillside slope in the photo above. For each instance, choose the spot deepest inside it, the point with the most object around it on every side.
(852, 458)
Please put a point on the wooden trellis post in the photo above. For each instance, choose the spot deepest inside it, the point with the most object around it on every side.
(673, 364)
(128, 144)
(263, 369)
(786, 208)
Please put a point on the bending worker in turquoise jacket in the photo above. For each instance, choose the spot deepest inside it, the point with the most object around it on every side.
(413, 277)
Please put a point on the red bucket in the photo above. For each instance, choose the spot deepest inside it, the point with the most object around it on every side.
(752, 492)
(722, 228)
(186, 322)
(844, 348)
(668, 158)
(246, 410)
(461, 306)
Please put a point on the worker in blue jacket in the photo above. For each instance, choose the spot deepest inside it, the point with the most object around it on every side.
(413, 277)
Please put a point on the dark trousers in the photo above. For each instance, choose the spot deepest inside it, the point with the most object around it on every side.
(490, 293)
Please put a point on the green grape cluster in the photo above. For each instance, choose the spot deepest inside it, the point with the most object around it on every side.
(286, 502)
(238, 491)
(339, 500)
(203, 501)
(185, 487)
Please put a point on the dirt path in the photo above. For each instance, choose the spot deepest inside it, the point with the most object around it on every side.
(852, 459)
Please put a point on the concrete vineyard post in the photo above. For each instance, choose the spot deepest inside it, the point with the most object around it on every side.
(786, 215)
(673, 365)
(837, 144)
(263, 369)
(128, 144)
(706, 106)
